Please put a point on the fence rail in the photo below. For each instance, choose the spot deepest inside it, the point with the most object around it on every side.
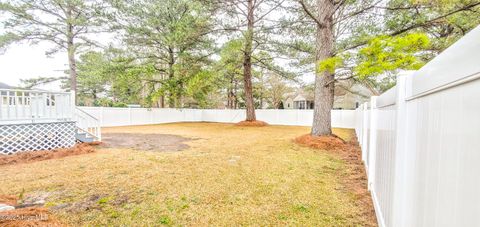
(420, 142)
(111, 116)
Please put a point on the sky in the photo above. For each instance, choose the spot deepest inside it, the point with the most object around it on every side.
(24, 61)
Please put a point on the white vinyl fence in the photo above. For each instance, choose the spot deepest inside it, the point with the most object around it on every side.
(111, 116)
(421, 142)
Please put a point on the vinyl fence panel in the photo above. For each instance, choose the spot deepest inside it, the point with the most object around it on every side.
(421, 142)
(112, 116)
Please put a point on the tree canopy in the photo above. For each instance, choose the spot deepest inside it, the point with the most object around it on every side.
(66, 24)
(232, 54)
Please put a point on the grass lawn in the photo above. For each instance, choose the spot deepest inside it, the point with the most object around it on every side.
(229, 175)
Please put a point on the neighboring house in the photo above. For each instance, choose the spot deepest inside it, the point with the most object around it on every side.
(288, 100)
(348, 95)
(298, 100)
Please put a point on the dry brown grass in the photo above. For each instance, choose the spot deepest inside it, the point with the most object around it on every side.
(230, 175)
(356, 182)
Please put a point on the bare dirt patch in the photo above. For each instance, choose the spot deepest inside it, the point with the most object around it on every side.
(33, 156)
(356, 182)
(98, 201)
(30, 216)
(26, 216)
(145, 142)
(10, 200)
(252, 123)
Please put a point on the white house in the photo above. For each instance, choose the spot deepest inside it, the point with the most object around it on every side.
(348, 96)
(298, 100)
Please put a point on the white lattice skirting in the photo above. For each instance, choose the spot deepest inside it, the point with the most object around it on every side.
(36, 136)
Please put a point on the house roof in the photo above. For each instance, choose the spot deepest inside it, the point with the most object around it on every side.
(304, 96)
(299, 95)
(291, 95)
(347, 86)
(341, 88)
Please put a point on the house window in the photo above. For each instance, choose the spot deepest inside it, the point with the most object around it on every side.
(356, 105)
(288, 105)
(302, 105)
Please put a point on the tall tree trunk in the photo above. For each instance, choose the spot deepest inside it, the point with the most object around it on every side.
(171, 74)
(180, 100)
(247, 64)
(71, 57)
(72, 63)
(229, 99)
(235, 97)
(94, 95)
(162, 97)
(324, 86)
(230, 94)
(162, 101)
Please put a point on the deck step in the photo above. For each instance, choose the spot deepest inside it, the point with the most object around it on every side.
(84, 137)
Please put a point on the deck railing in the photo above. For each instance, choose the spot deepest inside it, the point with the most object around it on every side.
(88, 124)
(33, 106)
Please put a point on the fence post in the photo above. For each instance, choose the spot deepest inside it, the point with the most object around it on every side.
(372, 144)
(359, 129)
(101, 116)
(401, 188)
(130, 116)
(364, 133)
